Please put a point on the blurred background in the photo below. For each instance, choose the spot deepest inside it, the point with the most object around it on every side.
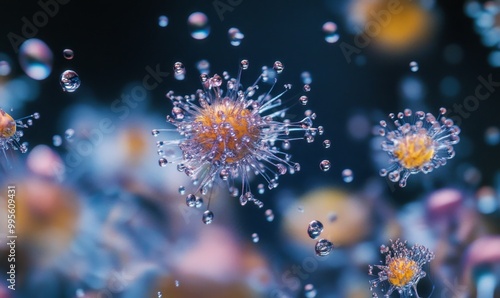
(97, 217)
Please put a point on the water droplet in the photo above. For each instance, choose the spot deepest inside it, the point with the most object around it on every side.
(5, 68)
(332, 216)
(191, 200)
(325, 165)
(310, 291)
(303, 100)
(323, 247)
(203, 66)
(179, 71)
(56, 140)
(80, 293)
(69, 133)
(244, 64)
(314, 229)
(182, 190)
(198, 25)
(330, 30)
(68, 54)
(492, 136)
(235, 36)
(35, 58)
(307, 87)
(163, 21)
(327, 144)
(163, 162)
(384, 249)
(269, 215)
(278, 67)
(199, 202)
(261, 189)
(347, 175)
(300, 209)
(255, 238)
(177, 283)
(208, 217)
(414, 66)
(70, 81)
(224, 174)
(155, 132)
(160, 295)
(306, 78)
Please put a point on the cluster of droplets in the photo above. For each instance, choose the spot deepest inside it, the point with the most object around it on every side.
(11, 131)
(229, 135)
(420, 142)
(401, 269)
(323, 246)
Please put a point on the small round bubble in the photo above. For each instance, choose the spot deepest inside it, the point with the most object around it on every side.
(306, 78)
(330, 31)
(347, 175)
(163, 21)
(208, 217)
(255, 237)
(68, 54)
(323, 247)
(414, 66)
(310, 291)
(198, 25)
(235, 36)
(314, 229)
(325, 165)
(203, 66)
(269, 215)
(303, 100)
(57, 140)
(278, 67)
(70, 81)
(179, 71)
(307, 87)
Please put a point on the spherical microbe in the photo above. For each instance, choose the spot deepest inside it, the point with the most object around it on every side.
(229, 133)
(11, 133)
(420, 143)
(402, 268)
(70, 81)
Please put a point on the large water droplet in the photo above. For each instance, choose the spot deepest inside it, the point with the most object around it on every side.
(163, 21)
(198, 25)
(330, 30)
(163, 162)
(68, 54)
(325, 165)
(310, 291)
(70, 81)
(314, 229)
(235, 36)
(208, 217)
(323, 247)
(35, 58)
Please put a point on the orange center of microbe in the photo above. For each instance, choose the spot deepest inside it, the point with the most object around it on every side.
(7, 125)
(234, 116)
(401, 271)
(414, 151)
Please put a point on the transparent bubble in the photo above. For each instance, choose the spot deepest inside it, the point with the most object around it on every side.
(330, 31)
(35, 58)
(179, 71)
(323, 247)
(203, 66)
(310, 291)
(235, 36)
(327, 144)
(198, 25)
(5, 68)
(163, 21)
(347, 175)
(306, 78)
(68, 54)
(325, 165)
(414, 66)
(69, 133)
(208, 217)
(57, 140)
(255, 238)
(269, 215)
(492, 136)
(70, 81)
(303, 100)
(314, 229)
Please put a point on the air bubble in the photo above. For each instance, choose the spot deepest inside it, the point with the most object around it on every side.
(208, 217)
(70, 81)
(323, 247)
(314, 229)
(203, 66)
(68, 54)
(325, 165)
